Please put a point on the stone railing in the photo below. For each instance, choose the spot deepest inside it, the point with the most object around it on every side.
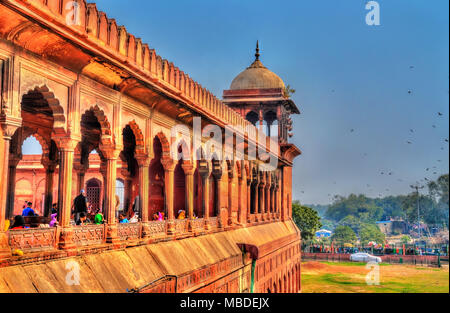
(157, 228)
(104, 36)
(213, 223)
(181, 226)
(30, 240)
(129, 231)
(88, 235)
(198, 224)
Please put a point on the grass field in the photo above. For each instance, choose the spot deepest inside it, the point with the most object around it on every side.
(346, 277)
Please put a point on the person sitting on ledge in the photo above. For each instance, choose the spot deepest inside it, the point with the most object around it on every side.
(98, 219)
(122, 219)
(54, 220)
(28, 211)
(181, 215)
(83, 219)
(134, 218)
(19, 223)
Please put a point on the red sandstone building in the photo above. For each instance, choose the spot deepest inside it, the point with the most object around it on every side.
(79, 83)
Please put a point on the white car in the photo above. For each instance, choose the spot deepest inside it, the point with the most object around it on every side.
(364, 257)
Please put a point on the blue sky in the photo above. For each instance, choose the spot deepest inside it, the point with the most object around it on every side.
(347, 75)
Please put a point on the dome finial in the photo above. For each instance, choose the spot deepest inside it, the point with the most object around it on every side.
(257, 51)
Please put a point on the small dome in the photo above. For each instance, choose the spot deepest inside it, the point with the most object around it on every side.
(257, 76)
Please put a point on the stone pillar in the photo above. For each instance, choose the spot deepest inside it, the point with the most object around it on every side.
(50, 168)
(12, 169)
(110, 195)
(205, 172)
(144, 164)
(241, 193)
(66, 156)
(189, 185)
(80, 181)
(219, 185)
(169, 171)
(257, 203)
(8, 131)
(249, 198)
(230, 196)
(262, 200)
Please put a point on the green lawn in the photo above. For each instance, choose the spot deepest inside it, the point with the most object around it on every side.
(329, 277)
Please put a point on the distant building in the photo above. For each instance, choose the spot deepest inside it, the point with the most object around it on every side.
(393, 227)
(323, 233)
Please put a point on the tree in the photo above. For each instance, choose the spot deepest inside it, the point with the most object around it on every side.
(370, 232)
(307, 220)
(344, 234)
(351, 221)
(405, 239)
(359, 206)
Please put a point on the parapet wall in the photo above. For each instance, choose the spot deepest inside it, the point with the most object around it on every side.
(212, 263)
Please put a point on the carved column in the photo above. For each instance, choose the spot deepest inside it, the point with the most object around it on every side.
(169, 173)
(110, 195)
(241, 191)
(8, 131)
(50, 167)
(257, 202)
(249, 198)
(218, 177)
(205, 172)
(230, 196)
(12, 169)
(66, 156)
(262, 203)
(189, 176)
(144, 164)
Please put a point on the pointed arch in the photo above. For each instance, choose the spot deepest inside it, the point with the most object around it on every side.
(44, 95)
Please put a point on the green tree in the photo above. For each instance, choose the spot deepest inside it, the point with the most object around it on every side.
(359, 206)
(351, 221)
(307, 220)
(344, 234)
(370, 232)
(406, 239)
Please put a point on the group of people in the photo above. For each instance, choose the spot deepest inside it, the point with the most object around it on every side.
(81, 210)
(19, 221)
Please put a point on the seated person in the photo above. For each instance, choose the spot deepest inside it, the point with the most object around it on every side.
(155, 217)
(19, 223)
(55, 208)
(98, 219)
(181, 215)
(54, 220)
(83, 219)
(28, 211)
(134, 218)
(122, 219)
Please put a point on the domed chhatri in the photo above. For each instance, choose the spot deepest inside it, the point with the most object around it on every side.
(257, 76)
(259, 95)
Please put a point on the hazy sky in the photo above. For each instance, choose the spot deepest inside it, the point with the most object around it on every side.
(348, 76)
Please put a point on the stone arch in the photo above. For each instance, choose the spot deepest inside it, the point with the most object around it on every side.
(252, 117)
(44, 94)
(140, 142)
(105, 125)
(164, 143)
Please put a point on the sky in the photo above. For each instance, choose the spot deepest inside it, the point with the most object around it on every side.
(364, 91)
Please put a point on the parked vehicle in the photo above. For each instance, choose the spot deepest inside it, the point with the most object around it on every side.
(364, 257)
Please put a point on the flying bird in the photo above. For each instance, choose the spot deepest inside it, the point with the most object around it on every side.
(440, 114)
(409, 142)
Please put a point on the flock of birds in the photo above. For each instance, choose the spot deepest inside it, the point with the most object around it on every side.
(428, 170)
